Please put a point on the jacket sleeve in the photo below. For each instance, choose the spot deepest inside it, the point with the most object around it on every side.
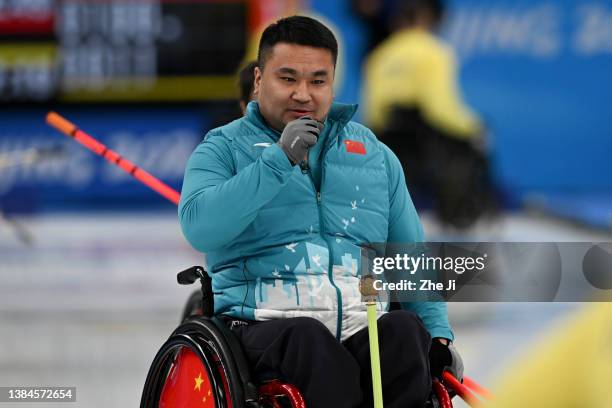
(405, 227)
(216, 203)
(440, 98)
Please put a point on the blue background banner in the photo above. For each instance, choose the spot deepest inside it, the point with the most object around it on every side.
(159, 140)
(539, 73)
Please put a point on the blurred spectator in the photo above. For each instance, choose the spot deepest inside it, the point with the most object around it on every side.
(413, 104)
(413, 68)
(246, 77)
(375, 14)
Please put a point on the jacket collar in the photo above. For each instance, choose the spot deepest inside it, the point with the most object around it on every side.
(339, 115)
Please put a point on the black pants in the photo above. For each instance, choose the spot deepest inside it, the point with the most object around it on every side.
(303, 352)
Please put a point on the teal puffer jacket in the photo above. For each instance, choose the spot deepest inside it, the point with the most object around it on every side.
(280, 242)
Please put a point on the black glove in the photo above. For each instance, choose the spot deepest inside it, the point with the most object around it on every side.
(298, 136)
(445, 358)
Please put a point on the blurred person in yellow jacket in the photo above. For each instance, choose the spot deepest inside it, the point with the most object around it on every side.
(414, 68)
(571, 367)
(413, 102)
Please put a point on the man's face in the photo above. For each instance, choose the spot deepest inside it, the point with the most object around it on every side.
(297, 80)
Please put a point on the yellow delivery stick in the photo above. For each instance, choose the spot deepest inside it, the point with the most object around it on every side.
(366, 287)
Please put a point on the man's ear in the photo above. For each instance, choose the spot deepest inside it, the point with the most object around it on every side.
(257, 81)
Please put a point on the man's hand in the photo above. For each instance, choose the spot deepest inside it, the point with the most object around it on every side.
(445, 358)
(298, 136)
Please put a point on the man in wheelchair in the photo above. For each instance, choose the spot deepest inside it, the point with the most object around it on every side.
(280, 201)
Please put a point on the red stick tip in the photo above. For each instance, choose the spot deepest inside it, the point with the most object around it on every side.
(60, 123)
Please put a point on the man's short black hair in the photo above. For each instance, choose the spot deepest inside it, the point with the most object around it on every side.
(299, 30)
(246, 77)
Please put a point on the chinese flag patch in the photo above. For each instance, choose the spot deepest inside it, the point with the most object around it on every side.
(353, 146)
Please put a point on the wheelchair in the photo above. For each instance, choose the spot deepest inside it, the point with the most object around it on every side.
(202, 362)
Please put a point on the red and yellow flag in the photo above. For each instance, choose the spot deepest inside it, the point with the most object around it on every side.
(187, 384)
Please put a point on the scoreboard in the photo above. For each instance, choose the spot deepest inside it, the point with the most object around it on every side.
(120, 50)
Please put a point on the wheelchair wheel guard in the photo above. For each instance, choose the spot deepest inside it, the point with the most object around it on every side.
(194, 350)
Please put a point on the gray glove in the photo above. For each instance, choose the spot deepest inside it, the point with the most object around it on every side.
(456, 368)
(298, 136)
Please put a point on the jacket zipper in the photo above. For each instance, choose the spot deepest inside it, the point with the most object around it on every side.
(330, 263)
